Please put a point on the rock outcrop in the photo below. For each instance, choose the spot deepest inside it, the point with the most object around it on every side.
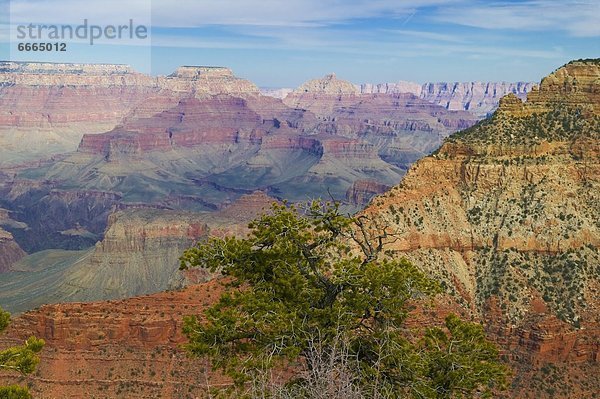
(115, 349)
(362, 191)
(10, 252)
(505, 214)
(479, 98)
(329, 84)
(45, 108)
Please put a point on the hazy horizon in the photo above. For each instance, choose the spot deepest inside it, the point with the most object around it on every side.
(284, 43)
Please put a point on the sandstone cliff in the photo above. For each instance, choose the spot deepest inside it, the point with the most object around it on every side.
(116, 349)
(362, 191)
(506, 215)
(479, 98)
(46, 108)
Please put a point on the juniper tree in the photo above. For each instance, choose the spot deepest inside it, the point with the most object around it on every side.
(313, 275)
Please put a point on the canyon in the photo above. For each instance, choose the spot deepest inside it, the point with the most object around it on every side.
(504, 214)
(193, 141)
(479, 98)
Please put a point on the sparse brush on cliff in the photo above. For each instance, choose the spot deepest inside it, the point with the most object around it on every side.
(22, 359)
(296, 284)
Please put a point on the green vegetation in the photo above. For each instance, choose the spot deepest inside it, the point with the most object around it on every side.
(22, 359)
(560, 278)
(310, 290)
(563, 123)
(592, 61)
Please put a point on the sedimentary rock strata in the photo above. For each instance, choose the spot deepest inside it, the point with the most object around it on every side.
(506, 214)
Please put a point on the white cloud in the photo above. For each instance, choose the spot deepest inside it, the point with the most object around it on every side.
(194, 13)
(101, 12)
(438, 37)
(578, 18)
(279, 12)
(353, 43)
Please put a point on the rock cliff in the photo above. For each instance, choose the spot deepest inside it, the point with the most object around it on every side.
(505, 214)
(479, 98)
(362, 191)
(10, 252)
(46, 108)
(116, 349)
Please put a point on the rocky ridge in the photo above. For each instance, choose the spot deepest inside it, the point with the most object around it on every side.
(480, 98)
(41, 103)
(505, 214)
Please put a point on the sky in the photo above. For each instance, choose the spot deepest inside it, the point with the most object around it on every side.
(282, 43)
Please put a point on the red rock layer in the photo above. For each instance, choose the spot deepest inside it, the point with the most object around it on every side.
(363, 190)
(114, 349)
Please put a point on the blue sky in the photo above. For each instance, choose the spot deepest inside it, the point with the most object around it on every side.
(281, 43)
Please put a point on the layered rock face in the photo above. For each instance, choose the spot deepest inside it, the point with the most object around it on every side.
(46, 108)
(479, 98)
(506, 214)
(391, 88)
(116, 349)
(363, 190)
(139, 254)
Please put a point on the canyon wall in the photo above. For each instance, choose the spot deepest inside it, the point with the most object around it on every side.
(479, 98)
(45, 108)
(138, 254)
(505, 214)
